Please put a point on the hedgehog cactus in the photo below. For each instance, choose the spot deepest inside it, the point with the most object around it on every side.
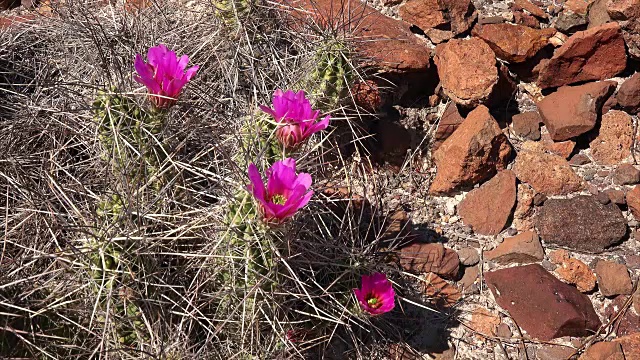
(127, 132)
(232, 11)
(258, 141)
(332, 73)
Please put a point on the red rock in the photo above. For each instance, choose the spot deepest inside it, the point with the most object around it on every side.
(603, 351)
(613, 278)
(579, 159)
(573, 271)
(434, 257)
(521, 18)
(430, 14)
(514, 43)
(633, 201)
(623, 9)
(623, 323)
(469, 278)
(553, 352)
(524, 208)
(630, 345)
(367, 95)
(631, 34)
(626, 174)
(598, 14)
(560, 148)
(594, 54)
(484, 321)
(581, 223)
(527, 125)
(468, 256)
(467, 70)
(523, 248)
(616, 196)
(573, 110)
(392, 141)
(578, 6)
(548, 174)
(628, 95)
(613, 143)
(487, 208)
(531, 8)
(440, 292)
(449, 122)
(388, 43)
(568, 21)
(7, 21)
(540, 304)
(473, 153)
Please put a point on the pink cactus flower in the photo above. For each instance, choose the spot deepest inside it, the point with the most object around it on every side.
(164, 75)
(376, 295)
(298, 120)
(286, 192)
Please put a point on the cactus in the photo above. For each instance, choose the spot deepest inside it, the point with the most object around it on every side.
(258, 138)
(231, 12)
(332, 74)
(127, 133)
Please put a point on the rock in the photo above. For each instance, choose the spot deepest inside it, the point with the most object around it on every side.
(514, 43)
(524, 208)
(613, 143)
(531, 8)
(579, 160)
(594, 54)
(603, 198)
(630, 345)
(623, 9)
(623, 322)
(527, 125)
(560, 148)
(390, 45)
(467, 70)
(573, 271)
(616, 196)
(449, 122)
(423, 258)
(542, 305)
(626, 174)
(548, 174)
(504, 331)
(573, 110)
(569, 21)
(631, 34)
(442, 293)
(487, 208)
(628, 95)
(458, 15)
(553, 352)
(392, 141)
(438, 36)
(521, 18)
(468, 256)
(473, 153)
(484, 321)
(603, 351)
(367, 95)
(558, 39)
(485, 20)
(633, 201)
(539, 199)
(469, 278)
(581, 223)
(598, 14)
(613, 278)
(578, 6)
(523, 248)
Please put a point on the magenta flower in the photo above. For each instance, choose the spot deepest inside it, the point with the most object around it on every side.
(286, 192)
(376, 295)
(164, 75)
(298, 119)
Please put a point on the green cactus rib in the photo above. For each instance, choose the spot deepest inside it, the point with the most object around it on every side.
(231, 12)
(332, 74)
(128, 133)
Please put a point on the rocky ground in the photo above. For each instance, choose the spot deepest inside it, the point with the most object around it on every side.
(528, 185)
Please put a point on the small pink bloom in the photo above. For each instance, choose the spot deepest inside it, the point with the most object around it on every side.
(298, 120)
(376, 295)
(164, 75)
(286, 192)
